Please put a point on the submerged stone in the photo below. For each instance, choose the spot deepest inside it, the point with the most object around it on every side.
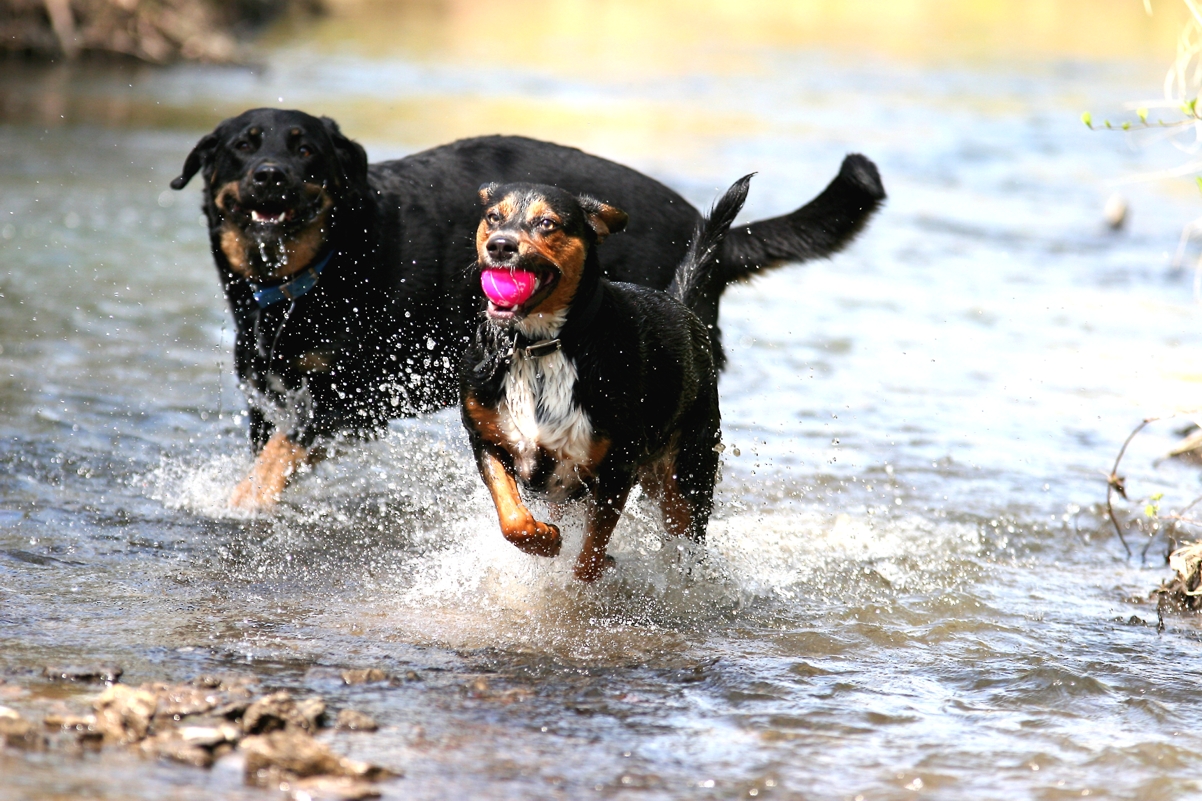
(282, 756)
(352, 720)
(107, 674)
(279, 711)
(364, 676)
(169, 745)
(82, 727)
(325, 788)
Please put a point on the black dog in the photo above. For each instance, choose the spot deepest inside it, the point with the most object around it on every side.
(575, 385)
(349, 284)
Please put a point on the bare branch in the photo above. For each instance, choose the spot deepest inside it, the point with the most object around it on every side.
(1116, 483)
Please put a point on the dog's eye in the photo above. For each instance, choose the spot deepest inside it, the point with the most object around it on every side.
(493, 217)
(546, 224)
(243, 146)
(304, 151)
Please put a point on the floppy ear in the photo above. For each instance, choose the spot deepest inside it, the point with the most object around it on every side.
(488, 193)
(603, 218)
(352, 158)
(200, 156)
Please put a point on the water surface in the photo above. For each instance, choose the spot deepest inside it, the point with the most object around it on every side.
(908, 589)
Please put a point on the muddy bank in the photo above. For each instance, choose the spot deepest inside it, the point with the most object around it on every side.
(154, 31)
(277, 737)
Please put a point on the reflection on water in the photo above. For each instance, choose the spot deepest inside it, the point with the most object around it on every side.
(907, 589)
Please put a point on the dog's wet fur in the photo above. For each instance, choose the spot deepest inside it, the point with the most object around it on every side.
(380, 334)
(589, 386)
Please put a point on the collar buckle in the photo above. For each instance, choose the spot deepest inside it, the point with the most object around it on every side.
(542, 348)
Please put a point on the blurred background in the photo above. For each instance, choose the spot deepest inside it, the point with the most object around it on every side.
(419, 73)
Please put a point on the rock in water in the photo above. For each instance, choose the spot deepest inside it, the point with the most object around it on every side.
(123, 714)
(279, 711)
(1115, 211)
(352, 720)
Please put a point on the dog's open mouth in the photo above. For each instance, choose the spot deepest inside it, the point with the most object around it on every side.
(270, 218)
(512, 293)
(275, 215)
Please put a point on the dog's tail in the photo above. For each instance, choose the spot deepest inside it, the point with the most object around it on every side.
(701, 261)
(820, 228)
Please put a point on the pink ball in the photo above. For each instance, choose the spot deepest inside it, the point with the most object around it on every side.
(508, 288)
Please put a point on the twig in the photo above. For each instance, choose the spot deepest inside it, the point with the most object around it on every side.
(1116, 483)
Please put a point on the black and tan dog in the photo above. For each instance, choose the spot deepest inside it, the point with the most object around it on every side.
(348, 282)
(576, 386)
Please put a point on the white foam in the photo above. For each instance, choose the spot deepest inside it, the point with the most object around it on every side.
(444, 575)
(201, 485)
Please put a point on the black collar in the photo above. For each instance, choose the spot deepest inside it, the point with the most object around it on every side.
(544, 347)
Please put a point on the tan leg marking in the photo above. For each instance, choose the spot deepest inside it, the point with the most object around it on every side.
(602, 517)
(274, 466)
(659, 482)
(486, 420)
(678, 514)
(517, 524)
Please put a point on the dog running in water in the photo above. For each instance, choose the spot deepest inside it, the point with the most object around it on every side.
(578, 387)
(350, 303)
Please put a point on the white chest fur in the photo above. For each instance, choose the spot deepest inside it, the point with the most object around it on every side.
(539, 411)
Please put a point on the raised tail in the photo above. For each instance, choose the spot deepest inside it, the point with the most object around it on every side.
(820, 228)
(698, 267)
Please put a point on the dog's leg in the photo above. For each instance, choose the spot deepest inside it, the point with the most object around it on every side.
(517, 524)
(675, 508)
(604, 508)
(274, 466)
(678, 509)
(685, 479)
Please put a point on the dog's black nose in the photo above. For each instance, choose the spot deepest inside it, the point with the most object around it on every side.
(502, 247)
(268, 174)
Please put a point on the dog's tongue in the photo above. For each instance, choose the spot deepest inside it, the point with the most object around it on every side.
(508, 288)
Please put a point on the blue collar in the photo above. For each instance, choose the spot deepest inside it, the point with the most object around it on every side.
(305, 280)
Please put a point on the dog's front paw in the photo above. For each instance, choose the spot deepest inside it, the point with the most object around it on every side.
(252, 495)
(535, 538)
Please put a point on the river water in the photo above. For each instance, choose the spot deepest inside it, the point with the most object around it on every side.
(909, 588)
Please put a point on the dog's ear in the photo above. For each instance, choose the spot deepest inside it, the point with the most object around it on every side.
(201, 156)
(603, 218)
(488, 193)
(352, 158)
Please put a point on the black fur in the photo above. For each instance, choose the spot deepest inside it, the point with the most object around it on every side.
(646, 377)
(381, 334)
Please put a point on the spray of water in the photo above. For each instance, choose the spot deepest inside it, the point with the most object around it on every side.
(406, 521)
